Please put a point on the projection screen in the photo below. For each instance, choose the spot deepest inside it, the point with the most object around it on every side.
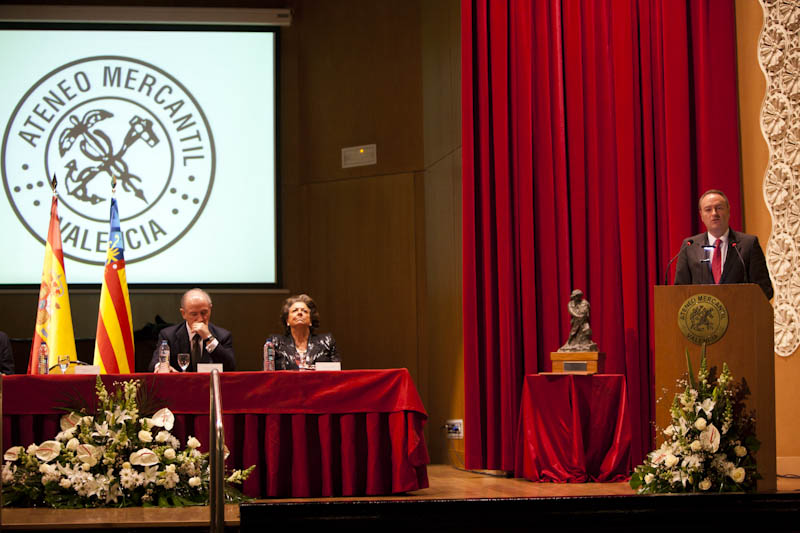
(181, 118)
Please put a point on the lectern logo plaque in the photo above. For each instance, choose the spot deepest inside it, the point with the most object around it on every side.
(703, 318)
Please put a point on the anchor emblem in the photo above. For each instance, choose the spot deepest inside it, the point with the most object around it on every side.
(96, 145)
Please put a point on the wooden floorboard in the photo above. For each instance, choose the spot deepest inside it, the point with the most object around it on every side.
(446, 483)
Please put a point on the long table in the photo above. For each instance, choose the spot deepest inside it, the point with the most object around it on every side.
(573, 428)
(349, 433)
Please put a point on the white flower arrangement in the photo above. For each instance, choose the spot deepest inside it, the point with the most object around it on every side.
(111, 459)
(710, 443)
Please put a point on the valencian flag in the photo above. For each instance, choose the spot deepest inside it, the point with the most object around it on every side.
(113, 349)
(53, 315)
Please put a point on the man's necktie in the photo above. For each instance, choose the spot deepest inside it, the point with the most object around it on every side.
(197, 351)
(716, 261)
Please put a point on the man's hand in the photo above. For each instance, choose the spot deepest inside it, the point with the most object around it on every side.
(201, 328)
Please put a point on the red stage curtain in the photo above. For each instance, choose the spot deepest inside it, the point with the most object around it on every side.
(589, 130)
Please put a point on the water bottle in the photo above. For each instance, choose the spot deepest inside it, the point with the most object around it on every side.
(44, 358)
(269, 356)
(163, 353)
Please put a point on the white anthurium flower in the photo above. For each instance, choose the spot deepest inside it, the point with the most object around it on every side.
(48, 450)
(162, 436)
(87, 454)
(144, 457)
(164, 419)
(707, 406)
(710, 438)
(12, 454)
(70, 421)
(738, 474)
(657, 456)
(73, 444)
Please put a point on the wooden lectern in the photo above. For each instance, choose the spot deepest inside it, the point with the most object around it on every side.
(747, 346)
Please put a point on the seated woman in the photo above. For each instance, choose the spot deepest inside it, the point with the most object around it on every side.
(300, 347)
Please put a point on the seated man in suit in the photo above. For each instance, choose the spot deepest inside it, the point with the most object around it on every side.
(721, 255)
(197, 336)
(6, 356)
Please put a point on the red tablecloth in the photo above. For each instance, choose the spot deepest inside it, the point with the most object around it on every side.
(356, 432)
(573, 428)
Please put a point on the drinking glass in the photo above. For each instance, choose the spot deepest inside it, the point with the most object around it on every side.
(183, 361)
(63, 363)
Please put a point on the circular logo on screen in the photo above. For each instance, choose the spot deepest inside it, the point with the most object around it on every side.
(703, 319)
(109, 123)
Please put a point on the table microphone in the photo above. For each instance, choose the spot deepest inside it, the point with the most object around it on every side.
(666, 272)
(735, 246)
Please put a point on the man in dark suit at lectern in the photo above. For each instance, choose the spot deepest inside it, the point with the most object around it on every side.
(721, 255)
(197, 336)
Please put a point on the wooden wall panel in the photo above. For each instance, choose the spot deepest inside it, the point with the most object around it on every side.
(362, 264)
(442, 346)
(444, 325)
(359, 83)
(441, 87)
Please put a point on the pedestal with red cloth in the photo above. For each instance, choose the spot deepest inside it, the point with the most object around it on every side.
(573, 428)
(349, 433)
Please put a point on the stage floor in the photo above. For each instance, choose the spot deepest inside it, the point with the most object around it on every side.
(446, 484)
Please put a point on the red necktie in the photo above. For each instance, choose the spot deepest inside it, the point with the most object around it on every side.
(716, 261)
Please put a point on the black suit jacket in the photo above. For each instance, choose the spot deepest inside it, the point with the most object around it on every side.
(320, 348)
(752, 268)
(6, 356)
(178, 339)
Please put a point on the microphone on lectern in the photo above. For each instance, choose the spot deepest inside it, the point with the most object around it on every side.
(686, 244)
(735, 246)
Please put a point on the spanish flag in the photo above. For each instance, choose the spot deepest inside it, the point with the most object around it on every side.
(53, 315)
(113, 349)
